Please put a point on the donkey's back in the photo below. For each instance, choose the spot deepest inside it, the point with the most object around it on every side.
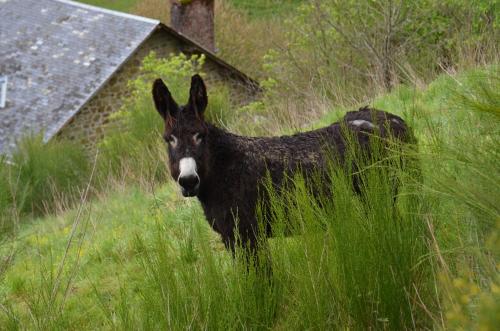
(311, 150)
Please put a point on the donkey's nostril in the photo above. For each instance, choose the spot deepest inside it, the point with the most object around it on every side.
(189, 183)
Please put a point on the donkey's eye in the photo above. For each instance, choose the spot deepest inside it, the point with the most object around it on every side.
(171, 140)
(198, 138)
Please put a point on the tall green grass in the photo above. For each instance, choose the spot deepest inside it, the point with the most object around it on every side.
(361, 259)
(45, 171)
(466, 183)
(172, 273)
(149, 260)
(41, 178)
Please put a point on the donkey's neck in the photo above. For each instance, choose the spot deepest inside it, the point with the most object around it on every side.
(224, 154)
(224, 149)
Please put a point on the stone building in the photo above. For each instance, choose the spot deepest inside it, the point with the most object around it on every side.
(68, 65)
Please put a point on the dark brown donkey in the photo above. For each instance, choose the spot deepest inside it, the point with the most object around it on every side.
(225, 171)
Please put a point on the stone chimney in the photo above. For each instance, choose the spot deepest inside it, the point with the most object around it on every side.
(194, 19)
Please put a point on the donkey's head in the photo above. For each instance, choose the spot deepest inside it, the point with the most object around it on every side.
(185, 132)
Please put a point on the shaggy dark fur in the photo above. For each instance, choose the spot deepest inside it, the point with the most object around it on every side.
(231, 167)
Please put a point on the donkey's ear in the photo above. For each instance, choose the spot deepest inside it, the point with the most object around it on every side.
(198, 94)
(164, 102)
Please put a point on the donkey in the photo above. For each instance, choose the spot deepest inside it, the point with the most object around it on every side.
(226, 171)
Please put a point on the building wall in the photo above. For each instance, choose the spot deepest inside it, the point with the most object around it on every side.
(88, 125)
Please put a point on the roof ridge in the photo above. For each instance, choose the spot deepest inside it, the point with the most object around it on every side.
(109, 11)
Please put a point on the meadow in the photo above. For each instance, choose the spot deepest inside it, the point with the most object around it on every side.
(108, 242)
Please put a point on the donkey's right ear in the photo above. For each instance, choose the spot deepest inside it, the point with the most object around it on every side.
(165, 104)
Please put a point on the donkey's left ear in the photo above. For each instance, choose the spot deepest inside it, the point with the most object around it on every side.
(165, 104)
(198, 95)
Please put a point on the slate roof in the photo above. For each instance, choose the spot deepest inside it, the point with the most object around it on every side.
(57, 54)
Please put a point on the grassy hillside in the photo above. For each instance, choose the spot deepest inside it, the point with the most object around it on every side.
(113, 245)
(132, 259)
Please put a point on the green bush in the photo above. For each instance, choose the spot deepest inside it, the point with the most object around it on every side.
(480, 93)
(467, 215)
(5, 197)
(46, 176)
(353, 49)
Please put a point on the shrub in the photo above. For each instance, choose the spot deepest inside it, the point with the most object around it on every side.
(356, 48)
(5, 197)
(46, 176)
(466, 184)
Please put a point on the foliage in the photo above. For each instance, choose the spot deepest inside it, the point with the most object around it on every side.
(344, 238)
(136, 260)
(42, 177)
(468, 178)
(355, 49)
(5, 197)
(480, 92)
(38, 179)
(149, 260)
